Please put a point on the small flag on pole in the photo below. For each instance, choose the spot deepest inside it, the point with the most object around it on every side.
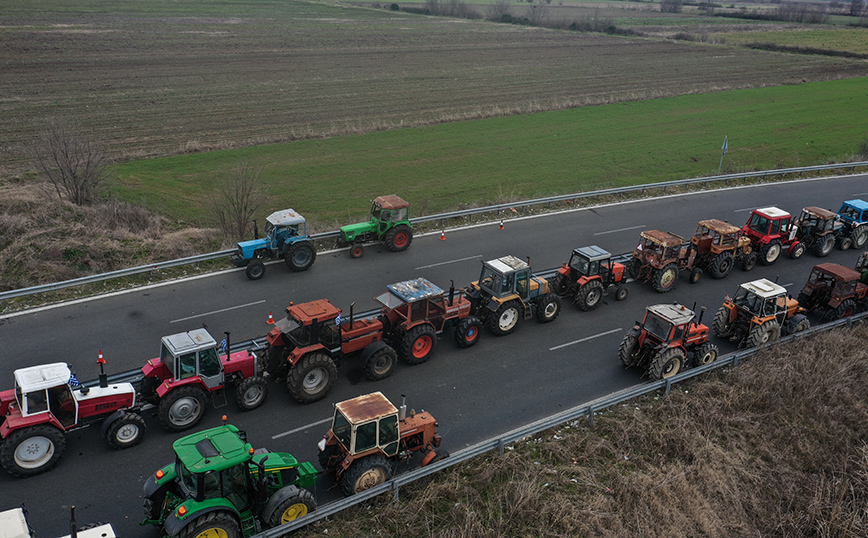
(338, 319)
(223, 345)
(73, 381)
(725, 144)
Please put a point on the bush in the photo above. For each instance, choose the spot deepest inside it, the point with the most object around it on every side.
(395, 7)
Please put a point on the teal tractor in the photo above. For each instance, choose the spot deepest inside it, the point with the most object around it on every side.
(389, 224)
(285, 237)
(854, 217)
(220, 486)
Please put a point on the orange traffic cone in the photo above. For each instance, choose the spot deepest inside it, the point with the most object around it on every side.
(100, 359)
(270, 319)
(443, 235)
(501, 225)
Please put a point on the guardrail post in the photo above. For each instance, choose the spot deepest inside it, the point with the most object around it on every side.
(668, 386)
(500, 446)
(395, 489)
(735, 359)
(590, 417)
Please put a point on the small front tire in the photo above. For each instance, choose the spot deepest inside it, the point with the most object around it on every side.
(127, 431)
(251, 393)
(467, 332)
(255, 270)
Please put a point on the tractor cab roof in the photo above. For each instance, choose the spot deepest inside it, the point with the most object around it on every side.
(212, 450)
(189, 341)
(45, 376)
(719, 226)
(861, 205)
(319, 310)
(819, 212)
(286, 217)
(391, 201)
(772, 212)
(366, 408)
(409, 291)
(593, 253)
(507, 264)
(764, 288)
(676, 314)
(664, 239)
(838, 271)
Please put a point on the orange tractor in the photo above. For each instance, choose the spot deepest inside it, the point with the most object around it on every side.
(589, 273)
(719, 245)
(834, 291)
(659, 257)
(760, 312)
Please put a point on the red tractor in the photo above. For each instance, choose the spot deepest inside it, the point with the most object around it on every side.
(368, 434)
(771, 230)
(834, 291)
(190, 369)
(304, 347)
(664, 339)
(590, 272)
(47, 402)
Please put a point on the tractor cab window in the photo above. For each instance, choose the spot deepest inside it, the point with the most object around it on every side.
(36, 402)
(62, 404)
(292, 231)
(388, 440)
(366, 436)
(300, 335)
(376, 211)
(234, 484)
(785, 225)
(342, 429)
(329, 335)
(521, 283)
(209, 362)
(579, 263)
(168, 359)
(759, 223)
(418, 310)
(593, 268)
(401, 214)
(845, 288)
(850, 212)
(748, 301)
(269, 229)
(776, 227)
(679, 333)
(658, 327)
(490, 280)
(186, 366)
(769, 307)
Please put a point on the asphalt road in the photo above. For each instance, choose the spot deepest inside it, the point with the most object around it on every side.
(498, 385)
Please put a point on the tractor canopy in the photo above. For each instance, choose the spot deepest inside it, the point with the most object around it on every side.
(760, 297)
(366, 422)
(582, 257)
(190, 353)
(498, 276)
(212, 450)
(854, 211)
(664, 239)
(661, 318)
(761, 221)
(408, 291)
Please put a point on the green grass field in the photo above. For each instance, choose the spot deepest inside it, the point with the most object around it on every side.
(846, 39)
(444, 166)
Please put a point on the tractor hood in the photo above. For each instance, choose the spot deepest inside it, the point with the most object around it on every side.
(350, 231)
(249, 247)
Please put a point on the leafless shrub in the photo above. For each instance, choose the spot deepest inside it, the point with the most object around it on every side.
(498, 9)
(73, 162)
(236, 200)
(537, 12)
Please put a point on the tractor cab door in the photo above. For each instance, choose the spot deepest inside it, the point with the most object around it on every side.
(388, 433)
(385, 221)
(522, 283)
(236, 486)
(210, 368)
(63, 405)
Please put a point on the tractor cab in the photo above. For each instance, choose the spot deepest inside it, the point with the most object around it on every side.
(282, 225)
(762, 298)
(307, 324)
(213, 464)
(592, 261)
(388, 211)
(507, 276)
(831, 281)
(367, 423)
(192, 354)
(656, 248)
(769, 222)
(716, 236)
(816, 221)
(670, 323)
(854, 211)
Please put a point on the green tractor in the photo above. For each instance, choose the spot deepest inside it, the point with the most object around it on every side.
(219, 486)
(389, 224)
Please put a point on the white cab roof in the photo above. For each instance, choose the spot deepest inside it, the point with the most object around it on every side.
(677, 314)
(507, 264)
(286, 217)
(45, 376)
(773, 212)
(764, 288)
(189, 341)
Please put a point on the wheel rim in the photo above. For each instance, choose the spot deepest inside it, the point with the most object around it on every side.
(551, 309)
(34, 452)
(214, 532)
(293, 512)
(773, 252)
(382, 364)
(253, 395)
(764, 336)
(709, 357)
(401, 239)
(508, 319)
(422, 346)
(471, 335)
(301, 257)
(314, 380)
(725, 266)
(592, 299)
(667, 278)
(184, 411)
(671, 367)
(357, 251)
(127, 433)
(256, 270)
(370, 478)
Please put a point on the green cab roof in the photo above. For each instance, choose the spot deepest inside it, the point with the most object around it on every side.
(212, 450)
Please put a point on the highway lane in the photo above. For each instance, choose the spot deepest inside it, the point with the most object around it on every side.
(500, 384)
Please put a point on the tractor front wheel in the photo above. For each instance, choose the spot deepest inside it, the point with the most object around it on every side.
(665, 278)
(548, 308)
(293, 507)
(181, 408)
(505, 320)
(721, 265)
(824, 245)
(589, 295)
(255, 270)
(770, 252)
(706, 354)
(418, 344)
(467, 332)
(380, 364)
(763, 334)
(629, 349)
(312, 377)
(357, 251)
(366, 473)
(844, 242)
(621, 292)
(300, 256)
(798, 323)
(399, 238)
(561, 285)
(33, 450)
(748, 262)
(250, 393)
(218, 524)
(666, 364)
(722, 325)
(797, 250)
(127, 431)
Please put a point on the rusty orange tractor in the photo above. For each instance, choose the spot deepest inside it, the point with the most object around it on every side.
(589, 273)
(719, 245)
(660, 257)
(760, 312)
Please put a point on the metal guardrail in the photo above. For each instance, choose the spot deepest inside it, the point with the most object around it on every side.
(438, 217)
(586, 410)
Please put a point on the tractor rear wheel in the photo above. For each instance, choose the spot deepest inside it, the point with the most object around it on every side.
(666, 364)
(218, 524)
(127, 431)
(635, 268)
(548, 308)
(181, 408)
(300, 256)
(418, 344)
(589, 295)
(629, 349)
(824, 245)
(505, 320)
(721, 265)
(312, 377)
(255, 270)
(33, 450)
(399, 238)
(293, 507)
(770, 252)
(705, 354)
(859, 236)
(846, 309)
(763, 334)
(250, 393)
(467, 332)
(380, 364)
(665, 278)
(366, 473)
(843, 242)
(722, 325)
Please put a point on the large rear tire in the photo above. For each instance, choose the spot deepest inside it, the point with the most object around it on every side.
(182, 408)
(300, 256)
(722, 325)
(505, 319)
(251, 393)
(824, 245)
(859, 236)
(312, 378)
(590, 295)
(366, 473)
(33, 450)
(721, 265)
(665, 278)
(561, 285)
(770, 252)
(127, 431)
(763, 334)
(399, 238)
(629, 350)
(846, 309)
(218, 524)
(418, 344)
(666, 364)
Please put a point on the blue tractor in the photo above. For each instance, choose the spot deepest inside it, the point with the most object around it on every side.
(285, 237)
(854, 215)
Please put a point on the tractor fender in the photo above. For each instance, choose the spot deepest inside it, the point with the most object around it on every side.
(792, 246)
(111, 418)
(170, 384)
(174, 525)
(585, 279)
(493, 304)
(279, 496)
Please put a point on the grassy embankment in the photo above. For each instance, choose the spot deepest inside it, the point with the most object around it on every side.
(775, 447)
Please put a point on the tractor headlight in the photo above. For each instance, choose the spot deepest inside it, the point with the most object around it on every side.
(322, 444)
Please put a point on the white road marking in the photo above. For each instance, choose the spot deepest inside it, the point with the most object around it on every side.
(745, 209)
(311, 425)
(450, 261)
(218, 311)
(621, 230)
(861, 194)
(586, 339)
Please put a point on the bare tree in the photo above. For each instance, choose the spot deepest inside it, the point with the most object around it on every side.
(73, 162)
(538, 12)
(856, 7)
(237, 199)
(498, 9)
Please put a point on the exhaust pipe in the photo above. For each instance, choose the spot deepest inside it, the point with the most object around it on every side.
(402, 411)
(255, 230)
(451, 291)
(352, 307)
(228, 345)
